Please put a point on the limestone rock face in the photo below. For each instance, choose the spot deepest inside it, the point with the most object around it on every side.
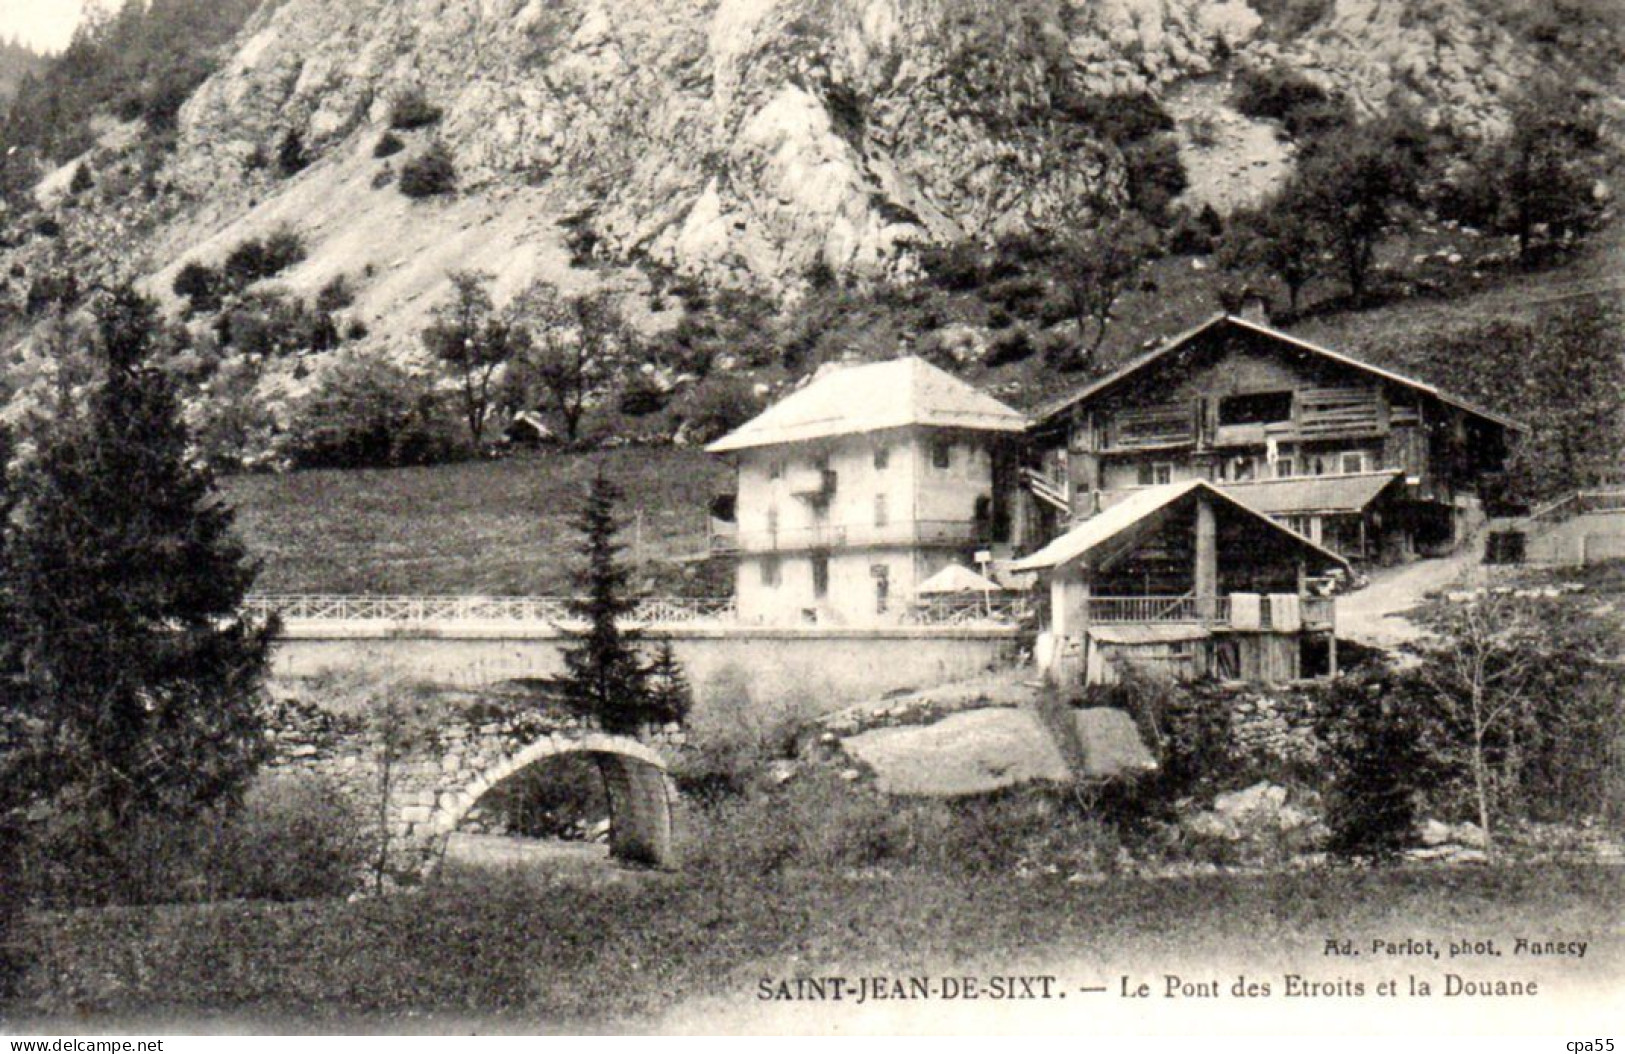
(756, 137)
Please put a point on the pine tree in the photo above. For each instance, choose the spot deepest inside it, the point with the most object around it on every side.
(604, 675)
(670, 695)
(127, 586)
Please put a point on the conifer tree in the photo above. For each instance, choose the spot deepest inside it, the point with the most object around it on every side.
(670, 695)
(605, 677)
(127, 584)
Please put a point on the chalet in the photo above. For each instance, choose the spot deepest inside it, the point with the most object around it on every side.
(1183, 580)
(1370, 463)
(858, 488)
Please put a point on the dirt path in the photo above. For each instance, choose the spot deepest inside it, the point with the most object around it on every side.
(1373, 615)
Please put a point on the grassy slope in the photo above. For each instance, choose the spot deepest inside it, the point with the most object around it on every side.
(499, 527)
(523, 955)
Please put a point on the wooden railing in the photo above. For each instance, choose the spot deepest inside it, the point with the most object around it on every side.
(650, 611)
(846, 535)
(970, 610)
(1056, 492)
(1216, 612)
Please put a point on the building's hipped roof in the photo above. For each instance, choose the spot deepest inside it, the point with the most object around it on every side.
(1093, 533)
(872, 397)
(1305, 494)
(1168, 347)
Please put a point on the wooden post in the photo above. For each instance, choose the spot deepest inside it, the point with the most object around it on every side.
(1207, 559)
(1331, 653)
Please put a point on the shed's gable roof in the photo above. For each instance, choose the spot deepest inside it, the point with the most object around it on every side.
(1097, 531)
(1047, 413)
(1307, 494)
(871, 397)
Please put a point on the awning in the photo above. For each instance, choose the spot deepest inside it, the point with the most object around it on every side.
(1153, 633)
(1313, 494)
(957, 578)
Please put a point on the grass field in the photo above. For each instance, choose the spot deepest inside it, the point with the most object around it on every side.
(481, 527)
(520, 954)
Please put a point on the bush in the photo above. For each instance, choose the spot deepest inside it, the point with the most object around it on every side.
(1303, 107)
(294, 838)
(1121, 119)
(411, 109)
(335, 295)
(432, 172)
(1195, 232)
(254, 259)
(1378, 767)
(389, 144)
(1015, 345)
(368, 412)
(290, 154)
(716, 406)
(1155, 175)
(958, 267)
(200, 285)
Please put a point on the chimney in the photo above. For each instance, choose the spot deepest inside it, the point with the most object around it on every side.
(1254, 307)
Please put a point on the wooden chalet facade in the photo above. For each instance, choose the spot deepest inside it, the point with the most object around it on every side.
(1375, 465)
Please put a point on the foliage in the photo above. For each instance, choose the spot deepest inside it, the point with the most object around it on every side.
(365, 411)
(233, 429)
(141, 62)
(336, 294)
(1303, 107)
(389, 144)
(291, 157)
(1353, 185)
(430, 173)
(1279, 237)
(81, 180)
(716, 406)
(473, 342)
(1098, 263)
(293, 838)
(272, 324)
(671, 696)
(1122, 118)
(1154, 176)
(1498, 681)
(200, 284)
(127, 581)
(253, 258)
(410, 110)
(573, 348)
(604, 676)
(1378, 767)
(1540, 173)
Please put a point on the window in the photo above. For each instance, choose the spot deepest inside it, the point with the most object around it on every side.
(1285, 468)
(882, 576)
(770, 572)
(1353, 461)
(772, 521)
(942, 454)
(1237, 469)
(775, 469)
(1155, 473)
(882, 457)
(820, 575)
(1255, 408)
(880, 510)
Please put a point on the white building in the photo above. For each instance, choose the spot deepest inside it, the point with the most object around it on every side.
(860, 486)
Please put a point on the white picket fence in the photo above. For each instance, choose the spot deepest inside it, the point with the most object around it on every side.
(314, 607)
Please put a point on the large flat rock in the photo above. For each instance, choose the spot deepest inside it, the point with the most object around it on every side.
(978, 751)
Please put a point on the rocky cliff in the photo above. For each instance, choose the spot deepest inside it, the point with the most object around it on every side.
(747, 140)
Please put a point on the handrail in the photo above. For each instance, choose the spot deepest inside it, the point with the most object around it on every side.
(652, 611)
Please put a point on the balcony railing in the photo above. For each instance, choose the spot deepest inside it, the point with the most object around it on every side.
(651, 611)
(970, 610)
(1214, 613)
(837, 536)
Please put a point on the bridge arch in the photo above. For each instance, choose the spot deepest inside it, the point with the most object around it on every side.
(641, 795)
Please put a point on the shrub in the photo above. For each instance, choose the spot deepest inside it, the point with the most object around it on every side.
(1303, 107)
(1121, 119)
(432, 172)
(200, 285)
(368, 412)
(290, 154)
(1016, 345)
(389, 144)
(716, 406)
(1377, 764)
(81, 181)
(1195, 232)
(254, 259)
(959, 266)
(1155, 175)
(641, 397)
(335, 295)
(411, 109)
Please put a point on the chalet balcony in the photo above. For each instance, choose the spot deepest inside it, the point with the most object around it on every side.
(865, 535)
(1216, 613)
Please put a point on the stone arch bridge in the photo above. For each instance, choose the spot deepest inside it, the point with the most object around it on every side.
(415, 771)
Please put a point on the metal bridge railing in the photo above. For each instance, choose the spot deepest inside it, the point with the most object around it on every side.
(311, 607)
